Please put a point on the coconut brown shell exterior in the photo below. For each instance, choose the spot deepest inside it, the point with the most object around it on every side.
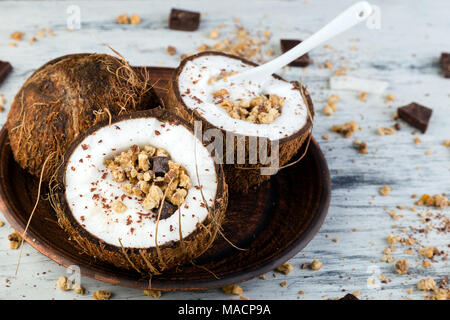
(64, 98)
(241, 177)
(146, 261)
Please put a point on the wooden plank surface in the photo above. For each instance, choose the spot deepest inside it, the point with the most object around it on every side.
(404, 52)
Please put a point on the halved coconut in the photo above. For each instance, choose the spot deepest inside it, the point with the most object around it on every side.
(276, 111)
(111, 222)
(66, 96)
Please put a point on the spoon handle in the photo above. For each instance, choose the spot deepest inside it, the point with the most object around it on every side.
(344, 21)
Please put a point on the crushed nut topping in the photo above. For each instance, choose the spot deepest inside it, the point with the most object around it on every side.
(261, 109)
(148, 173)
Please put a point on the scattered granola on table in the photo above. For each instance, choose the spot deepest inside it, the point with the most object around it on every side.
(401, 266)
(101, 295)
(347, 129)
(63, 283)
(316, 265)
(385, 190)
(15, 239)
(153, 293)
(285, 268)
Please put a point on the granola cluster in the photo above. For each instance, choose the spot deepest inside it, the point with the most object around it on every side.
(149, 173)
(261, 109)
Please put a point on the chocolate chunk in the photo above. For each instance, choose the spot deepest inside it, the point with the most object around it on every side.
(184, 20)
(167, 210)
(349, 296)
(5, 70)
(160, 166)
(288, 44)
(445, 64)
(416, 115)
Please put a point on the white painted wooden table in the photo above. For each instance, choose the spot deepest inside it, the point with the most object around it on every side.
(404, 52)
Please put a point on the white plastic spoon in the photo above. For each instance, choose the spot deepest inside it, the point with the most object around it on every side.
(355, 14)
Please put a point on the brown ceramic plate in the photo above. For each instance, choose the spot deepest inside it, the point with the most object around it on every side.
(273, 223)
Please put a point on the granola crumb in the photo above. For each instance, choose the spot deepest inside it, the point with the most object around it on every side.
(267, 34)
(15, 239)
(427, 252)
(427, 284)
(327, 110)
(361, 145)
(243, 298)
(428, 152)
(328, 65)
(153, 293)
(263, 277)
(214, 34)
(389, 97)
(63, 283)
(386, 131)
(326, 137)
(363, 96)
(447, 143)
(284, 283)
(119, 207)
(336, 240)
(316, 265)
(18, 35)
(233, 289)
(12, 44)
(135, 18)
(285, 268)
(384, 278)
(77, 288)
(401, 266)
(356, 293)
(171, 50)
(347, 129)
(385, 190)
(1, 223)
(101, 295)
(123, 19)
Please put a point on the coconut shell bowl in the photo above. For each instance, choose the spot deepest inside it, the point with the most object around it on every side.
(271, 223)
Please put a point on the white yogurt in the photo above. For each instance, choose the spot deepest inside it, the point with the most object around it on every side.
(90, 193)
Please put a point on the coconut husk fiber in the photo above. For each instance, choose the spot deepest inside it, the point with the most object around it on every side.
(64, 98)
(242, 177)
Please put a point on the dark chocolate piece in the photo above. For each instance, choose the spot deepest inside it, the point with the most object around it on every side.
(445, 64)
(167, 210)
(288, 44)
(5, 70)
(160, 166)
(184, 20)
(349, 296)
(416, 115)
